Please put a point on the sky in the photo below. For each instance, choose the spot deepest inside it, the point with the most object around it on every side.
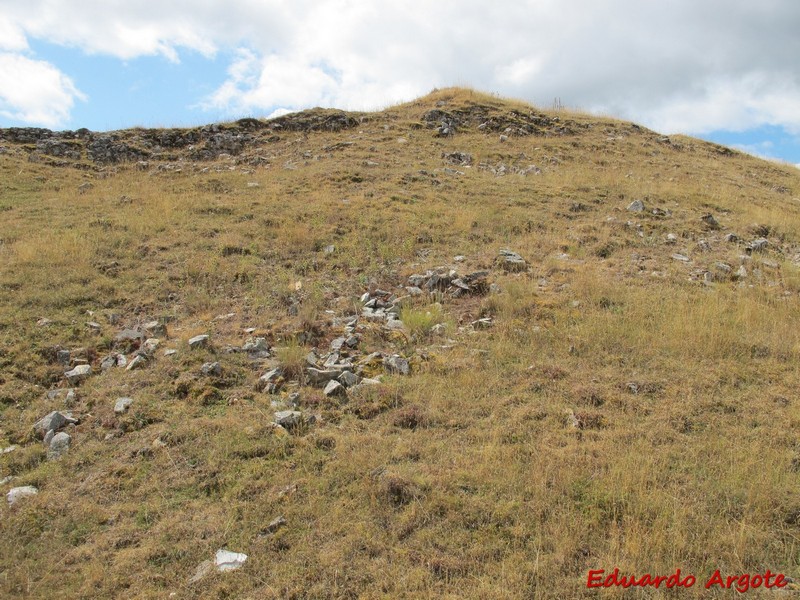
(723, 70)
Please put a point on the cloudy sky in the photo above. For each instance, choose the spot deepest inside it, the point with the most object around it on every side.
(725, 70)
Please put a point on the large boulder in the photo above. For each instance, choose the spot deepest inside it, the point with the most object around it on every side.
(78, 374)
(511, 261)
(59, 445)
(18, 493)
(52, 422)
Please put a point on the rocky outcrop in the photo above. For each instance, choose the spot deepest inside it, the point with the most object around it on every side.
(492, 120)
(200, 143)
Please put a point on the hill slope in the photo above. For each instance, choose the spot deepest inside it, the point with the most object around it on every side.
(620, 394)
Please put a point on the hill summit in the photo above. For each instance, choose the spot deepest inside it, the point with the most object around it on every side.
(461, 347)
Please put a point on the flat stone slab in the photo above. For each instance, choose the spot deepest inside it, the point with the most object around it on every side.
(16, 494)
(122, 405)
(198, 341)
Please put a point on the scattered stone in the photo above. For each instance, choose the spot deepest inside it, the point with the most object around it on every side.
(9, 449)
(757, 245)
(69, 395)
(330, 249)
(484, 323)
(122, 405)
(129, 336)
(44, 322)
(681, 258)
(288, 418)
(741, 272)
(229, 561)
(461, 159)
(731, 237)
(703, 246)
(78, 374)
(710, 221)
(573, 420)
(723, 267)
(151, 345)
(636, 206)
(63, 357)
(363, 384)
(320, 377)
(511, 261)
(170, 352)
(58, 445)
(257, 347)
(203, 569)
(138, 362)
(503, 138)
(109, 362)
(95, 327)
(53, 422)
(211, 368)
(224, 560)
(334, 388)
(198, 341)
(312, 360)
(155, 329)
(270, 382)
(394, 324)
(274, 525)
(672, 238)
(348, 379)
(396, 364)
(18, 493)
(332, 361)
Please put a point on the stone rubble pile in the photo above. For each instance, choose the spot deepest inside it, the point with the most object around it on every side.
(450, 282)
(345, 367)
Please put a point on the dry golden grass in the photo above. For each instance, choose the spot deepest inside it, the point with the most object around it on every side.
(466, 479)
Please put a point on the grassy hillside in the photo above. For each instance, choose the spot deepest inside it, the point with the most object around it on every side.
(629, 400)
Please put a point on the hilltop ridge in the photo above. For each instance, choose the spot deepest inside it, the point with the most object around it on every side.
(445, 112)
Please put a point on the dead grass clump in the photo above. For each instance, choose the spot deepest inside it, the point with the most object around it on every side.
(370, 401)
(411, 417)
(292, 357)
(589, 396)
(399, 491)
(590, 420)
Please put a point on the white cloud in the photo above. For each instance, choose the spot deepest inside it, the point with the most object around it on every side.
(679, 66)
(519, 71)
(11, 36)
(35, 91)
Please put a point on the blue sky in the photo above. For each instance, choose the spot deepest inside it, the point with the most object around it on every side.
(769, 141)
(720, 70)
(149, 91)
